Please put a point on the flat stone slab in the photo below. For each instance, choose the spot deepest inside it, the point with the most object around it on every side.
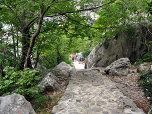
(90, 92)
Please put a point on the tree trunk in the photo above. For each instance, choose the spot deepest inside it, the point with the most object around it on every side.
(25, 46)
(59, 56)
(38, 54)
(35, 35)
(3, 57)
(33, 41)
(37, 60)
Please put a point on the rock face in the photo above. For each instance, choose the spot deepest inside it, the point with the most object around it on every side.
(49, 83)
(118, 67)
(63, 68)
(145, 67)
(125, 44)
(15, 104)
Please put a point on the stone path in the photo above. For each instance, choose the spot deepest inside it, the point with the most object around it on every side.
(78, 66)
(90, 92)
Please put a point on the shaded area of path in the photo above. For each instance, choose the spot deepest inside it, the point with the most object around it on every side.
(90, 92)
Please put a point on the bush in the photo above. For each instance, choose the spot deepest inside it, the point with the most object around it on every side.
(146, 84)
(21, 82)
(138, 62)
(148, 57)
(40, 102)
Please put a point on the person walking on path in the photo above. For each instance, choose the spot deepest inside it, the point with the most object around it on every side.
(73, 58)
(80, 59)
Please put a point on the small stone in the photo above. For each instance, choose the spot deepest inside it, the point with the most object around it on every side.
(100, 102)
(61, 106)
(74, 113)
(92, 103)
(79, 101)
(117, 80)
(96, 84)
(51, 96)
(129, 103)
(105, 112)
(97, 109)
(94, 110)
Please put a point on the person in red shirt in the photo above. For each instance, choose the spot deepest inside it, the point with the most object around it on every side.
(73, 58)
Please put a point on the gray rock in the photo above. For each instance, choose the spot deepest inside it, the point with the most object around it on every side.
(95, 110)
(145, 67)
(105, 112)
(124, 44)
(15, 104)
(118, 67)
(49, 82)
(100, 102)
(117, 80)
(126, 102)
(58, 108)
(129, 103)
(129, 75)
(63, 68)
(72, 72)
(74, 113)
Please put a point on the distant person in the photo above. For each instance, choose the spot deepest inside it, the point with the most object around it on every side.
(80, 59)
(73, 58)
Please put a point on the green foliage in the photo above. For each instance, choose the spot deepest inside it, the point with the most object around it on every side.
(149, 8)
(85, 53)
(22, 82)
(146, 84)
(114, 17)
(40, 102)
(138, 62)
(148, 57)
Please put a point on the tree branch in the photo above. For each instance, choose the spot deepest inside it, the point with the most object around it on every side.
(31, 22)
(62, 1)
(81, 10)
(14, 13)
(82, 24)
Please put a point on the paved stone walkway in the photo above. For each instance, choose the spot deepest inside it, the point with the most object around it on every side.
(78, 65)
(90, 92)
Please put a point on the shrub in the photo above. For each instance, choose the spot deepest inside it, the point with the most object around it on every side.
(138, 62)
(40, 102)
(21, 82)
(146, 84)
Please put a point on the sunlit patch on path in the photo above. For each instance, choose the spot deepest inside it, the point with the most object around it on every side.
(78, 65)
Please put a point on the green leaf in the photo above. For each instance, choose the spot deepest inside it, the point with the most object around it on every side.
(41, 88)
(37, 78)
(35, 89)
(6, 82)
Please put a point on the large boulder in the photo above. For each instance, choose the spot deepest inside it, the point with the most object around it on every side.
(15, 104)
(118, 67)
(127, 43)
(49, 83)
(63, 68)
